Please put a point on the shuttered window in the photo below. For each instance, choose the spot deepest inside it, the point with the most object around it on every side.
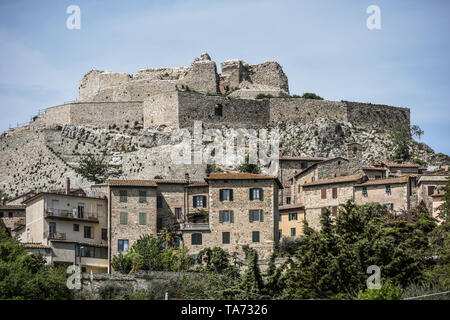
(364, 191)
(142, 196)
(256, 194)
(123, 218)
(226, 216)
(293, 231)
(323, 193)
(256, 215)
(196, 239)
(199, 201)
(142, 218)
(159, 203)
(122, 245)
(123, 195)
(225, 237)
(335, 191)
(388, 189)
(430, 190)
(334, 210)
(226, 195)
(255, 236)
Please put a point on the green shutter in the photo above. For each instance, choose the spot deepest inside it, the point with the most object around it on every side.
(250, 196)
(261, 194)
(194, 202)
(231, 216)
(220, 216)
(123, 218)
(142, 218)
(204, 201)
(250, 216)
(221, 195)
(231, 194)
(261, 216)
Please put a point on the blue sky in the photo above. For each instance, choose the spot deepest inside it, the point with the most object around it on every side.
(323, 46)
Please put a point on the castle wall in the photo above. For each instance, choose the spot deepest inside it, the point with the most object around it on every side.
(299, 110)
(375, 116)
(236, 113)
(161, 109)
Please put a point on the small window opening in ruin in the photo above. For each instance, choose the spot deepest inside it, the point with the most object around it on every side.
(355, 150)
(218, 110)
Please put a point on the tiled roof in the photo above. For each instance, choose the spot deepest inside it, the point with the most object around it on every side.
(303, 158)
(242, 176)
(401, 165)
(35, 246)
(132, 183)
(317, 164)
(403, 179)
(12, 207)
(82, 243)
(61, 194)
(341, 179)
(197, 184)
(291, 206)
(374, 168)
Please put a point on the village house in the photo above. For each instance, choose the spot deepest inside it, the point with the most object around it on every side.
(397, 194)
(429, 184)
(399, 168)
(291, 220)
(70, 227)
(12, 218)
(242, 210)
(328, 194)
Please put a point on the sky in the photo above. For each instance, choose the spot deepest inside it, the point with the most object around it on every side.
(324, 46)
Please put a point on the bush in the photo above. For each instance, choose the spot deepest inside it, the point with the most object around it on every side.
(111, 290)
(310, 95)
(387, 292)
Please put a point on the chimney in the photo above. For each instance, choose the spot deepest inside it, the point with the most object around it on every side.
(186, 176)
(68, 186)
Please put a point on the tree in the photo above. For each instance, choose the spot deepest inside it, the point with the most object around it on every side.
(402, 135)
(248, 167)
(252, 283)
(444, 208)
(93, 168)
(215, 259)
(388, 291)
(25, 276)
(169, 236)
(310, 95)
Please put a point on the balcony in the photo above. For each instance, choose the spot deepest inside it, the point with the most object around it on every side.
(55, 235)
(74, 214)
(195, 226)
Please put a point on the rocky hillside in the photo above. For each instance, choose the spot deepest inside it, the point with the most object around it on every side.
(42, 159)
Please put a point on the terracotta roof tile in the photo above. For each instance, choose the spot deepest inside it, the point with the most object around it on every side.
(132, 183)
(291, 206)
(403, 179)
(374, 168)
(401, 165)
(341, 179)
(242, 176)
(12, 207)
(303, 158)
(35, 246)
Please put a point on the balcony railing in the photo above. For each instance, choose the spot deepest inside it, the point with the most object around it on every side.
(55, 235)
(71, 214)
(195, 226)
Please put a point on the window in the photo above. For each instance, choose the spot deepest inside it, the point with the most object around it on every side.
(123, 195)
(256, 215)
(123, 245)
(159, 224)
(52, 227)
(226, 195)
(87, 251)
(334, 192)
(124, 218)
(159, 203)
(279, 217)
(196, 239)
(142, 196)
(76, 227)
(364, 191)
(293, 216)
(225, 237)
(323, 193)
(299, 188)
(431, 190)
(280, 233)
(322, 210)
(390, 206)
(288, 200)
(292, 232)
(88, 233)
(104, 234)
(226, 216)
(388, 189)
(256, 194)
(81, 210)
(303, 165)
(199, 202)
(99, 210)
(178, 213)
(142, 218)
(334, 210)
(10, 214)
(218, 110)
(255, 236)
(1, 214)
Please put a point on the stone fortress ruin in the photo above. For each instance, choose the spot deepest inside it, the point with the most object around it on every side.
(176, 97)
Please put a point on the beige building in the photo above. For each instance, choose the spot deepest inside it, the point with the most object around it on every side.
(291, 220)
(71, 227)
(12, 218)
(429, 184)
(328, 194)
(397, 194)
(400, 168)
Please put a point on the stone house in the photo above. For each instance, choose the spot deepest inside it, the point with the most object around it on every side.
(291, 220)
(12, 218)
(72, 228)
(242, 210)
(328, 193)
(289, 167)
(399, 168)
(397, 194)
(429, 184)
(438, 200)
(375, 172)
